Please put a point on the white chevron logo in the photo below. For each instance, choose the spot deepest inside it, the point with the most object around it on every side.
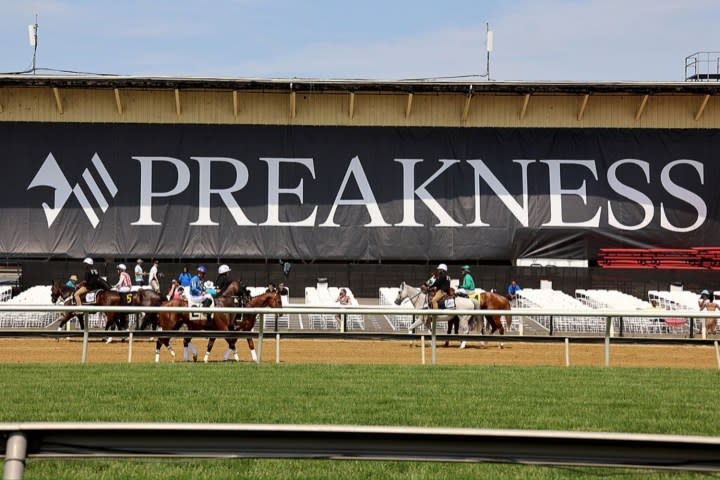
(50, 175)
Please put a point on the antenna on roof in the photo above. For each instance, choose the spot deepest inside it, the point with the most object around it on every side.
(489, 48)
(33, 38)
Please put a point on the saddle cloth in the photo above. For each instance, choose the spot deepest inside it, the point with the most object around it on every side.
(198, 302)
(91, 297)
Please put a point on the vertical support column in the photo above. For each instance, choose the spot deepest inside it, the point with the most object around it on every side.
(85, 338)
(15, 454)
(608, 328)
(717, 354)
(277, 348)
(567, 352)
(433, 343)
(261, 329)
(130, 347)
(521, 327)
(422, 349)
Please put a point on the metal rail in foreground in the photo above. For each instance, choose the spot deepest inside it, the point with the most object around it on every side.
(112, 440)
(608, 314)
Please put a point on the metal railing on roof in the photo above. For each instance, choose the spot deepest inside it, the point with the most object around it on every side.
(702, 67)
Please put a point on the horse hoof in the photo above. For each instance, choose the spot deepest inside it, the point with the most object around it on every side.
(195, 357)
(463, 345)
(109, 340)
(502, 345)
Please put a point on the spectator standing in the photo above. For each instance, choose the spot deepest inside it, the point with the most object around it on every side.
(284, 292)
(153, 275)
(184, 277)
(343, 300)
(707, 302)
(512, 290)
(139, 273)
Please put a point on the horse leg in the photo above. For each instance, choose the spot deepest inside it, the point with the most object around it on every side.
(188, 345)
(210, 344)
(231, 349)
(158, 345)
(251, 345)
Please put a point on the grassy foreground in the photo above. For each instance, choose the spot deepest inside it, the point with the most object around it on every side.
(585, 399)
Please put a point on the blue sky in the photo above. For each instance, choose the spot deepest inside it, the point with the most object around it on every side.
(534, 40)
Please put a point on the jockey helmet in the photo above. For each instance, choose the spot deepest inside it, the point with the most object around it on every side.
(466, 268)
(705, 292)
(442, 266)
(223, 269)
(88, 260)
(122, 267)
(202, 269)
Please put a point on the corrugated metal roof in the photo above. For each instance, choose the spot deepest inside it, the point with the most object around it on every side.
(360, 85)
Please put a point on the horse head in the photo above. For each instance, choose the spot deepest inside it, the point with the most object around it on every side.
(402, 294)
(267, 299)
(58, 291)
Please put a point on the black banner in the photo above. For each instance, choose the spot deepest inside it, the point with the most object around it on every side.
(352, 192)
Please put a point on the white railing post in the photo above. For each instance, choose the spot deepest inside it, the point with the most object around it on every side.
(85, 338)
(277, 348)
(433, 343)
(260, 337)
(608, 333)
(15, 453)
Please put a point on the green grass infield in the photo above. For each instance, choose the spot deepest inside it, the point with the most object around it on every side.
(667, 401)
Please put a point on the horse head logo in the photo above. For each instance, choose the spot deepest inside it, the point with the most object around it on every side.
(51, 175)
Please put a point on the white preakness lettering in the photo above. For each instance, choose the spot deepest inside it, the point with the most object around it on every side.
(683, 194)
(409, 193)
(368, 198)
(274, 191)
(520, 212)
(631, 194)
(556, 193)
(241, 179)
(146, 192)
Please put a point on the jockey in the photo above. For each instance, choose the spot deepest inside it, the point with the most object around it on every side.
(124, 283)
(223, 279)
(92, 281)
(442, 282)
(468, 284)
(197, 290)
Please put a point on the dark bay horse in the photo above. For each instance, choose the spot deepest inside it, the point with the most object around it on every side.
(142, 297)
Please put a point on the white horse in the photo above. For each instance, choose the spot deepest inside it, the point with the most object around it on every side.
(420, 300)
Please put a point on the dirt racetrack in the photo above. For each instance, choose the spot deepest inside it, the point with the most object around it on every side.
(22, 350)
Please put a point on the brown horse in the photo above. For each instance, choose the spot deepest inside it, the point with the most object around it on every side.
(490, 301)
(495, 301)
(234, 296)
(247, 321)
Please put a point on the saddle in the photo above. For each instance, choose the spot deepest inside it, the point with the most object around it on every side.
(447, 302)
